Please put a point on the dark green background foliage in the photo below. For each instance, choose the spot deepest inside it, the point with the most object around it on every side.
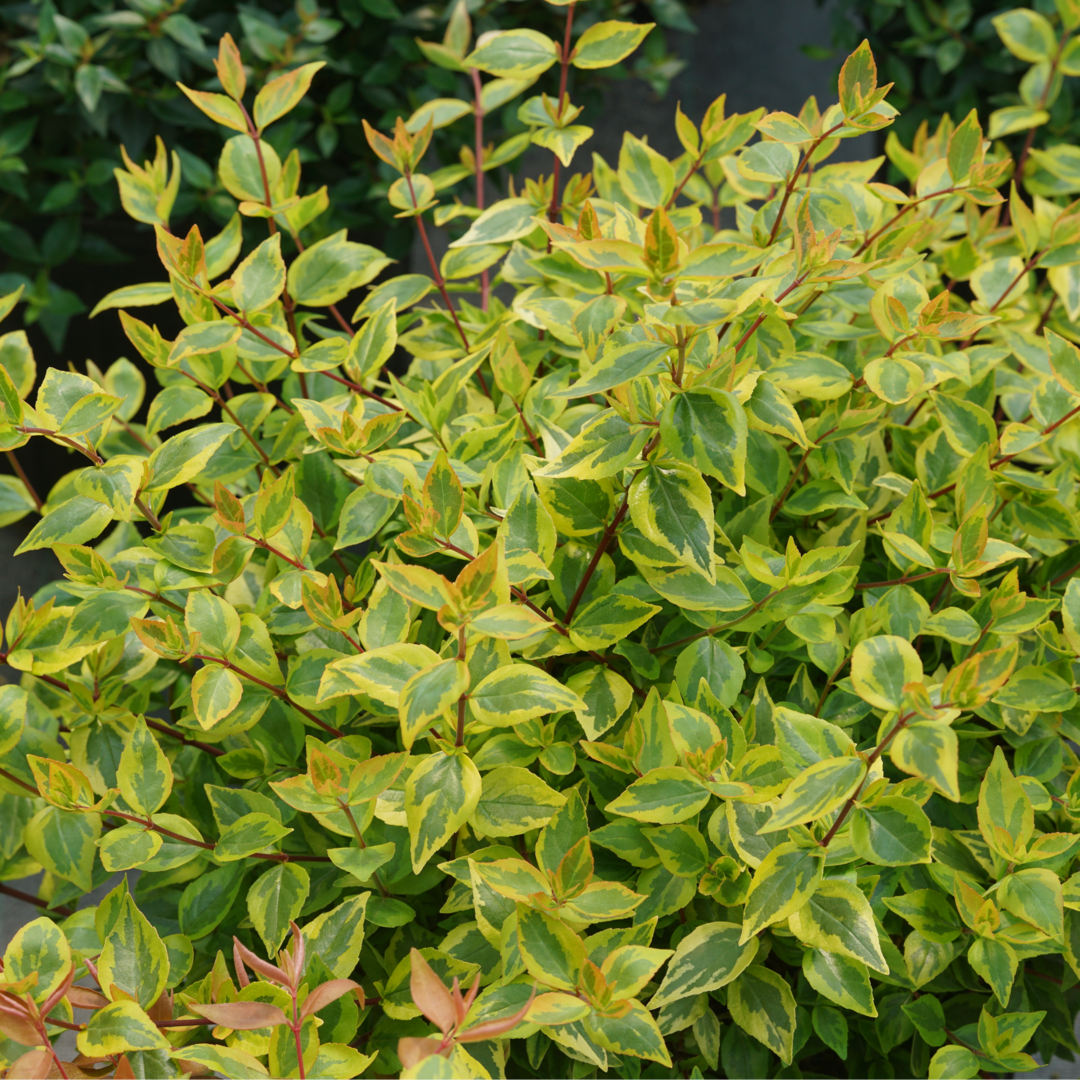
(946, 57)
(78, 77)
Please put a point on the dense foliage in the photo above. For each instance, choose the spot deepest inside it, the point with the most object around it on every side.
(79, 77)
(667, 632)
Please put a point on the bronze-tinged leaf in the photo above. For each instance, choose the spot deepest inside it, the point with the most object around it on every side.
(82, 997)
(412, 1050)
(15, 1024)
(35, 1065)
(429, 994)
(328, 992)
(162, 1010)
(263, 967)
(241, 1015)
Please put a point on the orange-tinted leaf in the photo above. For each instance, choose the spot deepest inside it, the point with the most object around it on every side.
(429, 994)
(33, 1066)
(284, 93)
(412, 1051)
(82, 997)
(241, 1015)
(230, 68)
(263, 967)
(15, 1024)
(328, 992)
(218, 107)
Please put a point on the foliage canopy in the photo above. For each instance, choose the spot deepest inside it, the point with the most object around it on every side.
(678, 647)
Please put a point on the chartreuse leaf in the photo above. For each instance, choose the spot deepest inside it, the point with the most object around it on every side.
(282, 1058)
(512, 878)
(620, 362)
(604, 44)
(1035, 896)
(954, 1063)
(930, 750)
(119, 1028)
(663, 796)
(761, 1003)
(331, 268)
(214, 620)
(215, 694)
(514, 54)
(283, 94)
(995, 961)
(115, 484)
(1005, 814)
(816, 792)
(248, 835)
(635, 1033)
(783, 883)
(552, 953)
(1070, 614)
(145, 776)
(609, 619)
(681, 848)
(706, 428)
(606, 694)
(843, 981)
(629, 968)
(218, 107)
(604, 446)
(128, 847)
(672, 507)
(64, 843)
(880, 669)
(837, 918)
(1064, 361)
(929, 912)
(646, 176)
(337, 935)
(709, 957)
(184, 456)
(1027, 34)
(519, 692)
(440, 796)
(895, 831)
(362, 863)
(39, 948)
(74, 521)
(381, 672)
(224, 1059)
(428, 695)
(134, 959)
(275, 900)
(259, 279)
(60, 784)
(12, 715)
(513, 801)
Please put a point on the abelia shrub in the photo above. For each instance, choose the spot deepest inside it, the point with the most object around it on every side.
(646, 643)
